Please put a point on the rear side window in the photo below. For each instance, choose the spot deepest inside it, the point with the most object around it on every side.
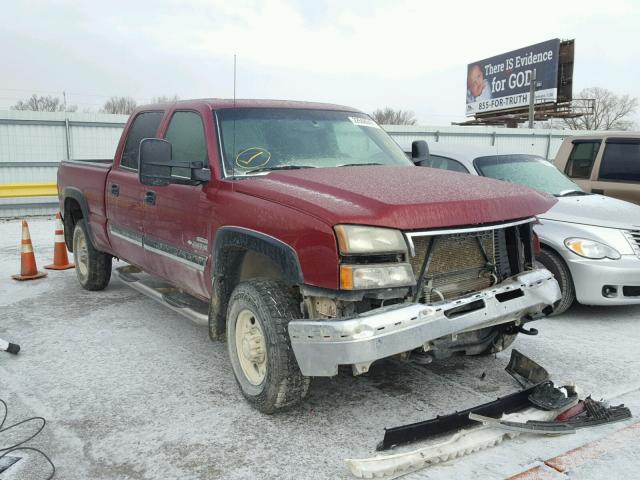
(581, 159)
(444, 163)
(621, 161)
(188, 143)
(145, 125)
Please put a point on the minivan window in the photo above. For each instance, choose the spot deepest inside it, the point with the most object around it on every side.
(582, 158)
(188, 143)
(621, 161)
(145, 125)
(258, 140)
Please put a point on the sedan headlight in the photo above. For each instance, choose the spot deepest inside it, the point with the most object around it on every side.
(363, 277)
(591, 249)
(356, 239)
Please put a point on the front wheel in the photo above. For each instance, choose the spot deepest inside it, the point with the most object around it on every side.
(554, 263)
(93, 267)
(259, 347)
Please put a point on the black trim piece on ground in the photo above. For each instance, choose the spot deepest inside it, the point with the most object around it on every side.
(449, 423)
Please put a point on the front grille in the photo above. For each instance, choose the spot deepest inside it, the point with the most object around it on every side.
(634, 239)
(461, 264)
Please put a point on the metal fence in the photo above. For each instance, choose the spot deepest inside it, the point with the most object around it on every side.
(32, 144)
(535, 141)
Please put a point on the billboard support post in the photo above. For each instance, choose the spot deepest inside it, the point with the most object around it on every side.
(532, 97)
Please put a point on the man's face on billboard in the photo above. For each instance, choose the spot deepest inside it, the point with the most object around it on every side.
(475, 81)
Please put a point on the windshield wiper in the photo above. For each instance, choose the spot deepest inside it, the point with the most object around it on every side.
(568, 193)
(358, 164)
(278, 167)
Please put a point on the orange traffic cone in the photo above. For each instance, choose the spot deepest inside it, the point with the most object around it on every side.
(60, 259)
(28, 268)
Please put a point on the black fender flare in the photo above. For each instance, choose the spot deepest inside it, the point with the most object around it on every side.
(77, 195)
(239, 238)
(230, 245)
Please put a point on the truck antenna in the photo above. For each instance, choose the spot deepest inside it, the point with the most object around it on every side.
(233, 160)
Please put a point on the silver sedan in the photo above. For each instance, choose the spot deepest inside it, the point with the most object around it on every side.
(591, 243)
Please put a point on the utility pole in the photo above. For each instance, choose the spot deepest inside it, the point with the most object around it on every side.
(66, 126)
(532, 97)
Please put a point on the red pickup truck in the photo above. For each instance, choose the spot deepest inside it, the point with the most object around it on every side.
(302, 234)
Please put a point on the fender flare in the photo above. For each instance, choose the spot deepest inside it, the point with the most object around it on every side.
(228, 251)
(239, 238)
(77, 195)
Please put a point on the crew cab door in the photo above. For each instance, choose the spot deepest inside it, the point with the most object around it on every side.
(176, 216)
(124, 192)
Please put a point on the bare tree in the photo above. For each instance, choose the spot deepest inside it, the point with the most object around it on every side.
(389, 116)
(37, 103)
(165, 98)
(610, 111)
(121, 105)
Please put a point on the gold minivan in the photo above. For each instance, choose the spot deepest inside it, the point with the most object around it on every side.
(608, 164)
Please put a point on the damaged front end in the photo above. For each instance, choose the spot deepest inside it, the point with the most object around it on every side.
(474, 290)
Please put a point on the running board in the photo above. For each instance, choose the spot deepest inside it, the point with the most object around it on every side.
(164, 293)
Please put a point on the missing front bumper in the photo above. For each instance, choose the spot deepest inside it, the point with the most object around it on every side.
(321, 346)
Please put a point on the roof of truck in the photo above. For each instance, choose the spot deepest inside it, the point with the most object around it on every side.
(220, 103)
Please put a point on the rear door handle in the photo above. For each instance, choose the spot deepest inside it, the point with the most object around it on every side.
(115, 190)
(150, 197)
(598, 191)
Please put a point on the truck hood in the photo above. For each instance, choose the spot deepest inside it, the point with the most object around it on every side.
(407, 198)
(596, 210)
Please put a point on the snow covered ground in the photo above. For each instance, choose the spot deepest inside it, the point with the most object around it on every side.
(130, 390)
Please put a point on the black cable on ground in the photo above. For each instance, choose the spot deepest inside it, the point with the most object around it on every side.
(20, 445)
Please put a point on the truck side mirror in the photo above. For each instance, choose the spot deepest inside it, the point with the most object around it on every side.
(419, 151)
(157, 166)
(154, 162)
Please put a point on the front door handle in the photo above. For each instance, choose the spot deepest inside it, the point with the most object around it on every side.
(598, 191)
(150, 197)
(115, 190)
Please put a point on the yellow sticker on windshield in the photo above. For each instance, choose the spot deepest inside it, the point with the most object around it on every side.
(253, 157)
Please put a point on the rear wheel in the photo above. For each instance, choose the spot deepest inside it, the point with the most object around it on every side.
(259, 347)
(554, 263)
(93, 267)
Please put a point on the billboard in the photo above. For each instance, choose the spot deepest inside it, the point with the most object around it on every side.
(502, 82)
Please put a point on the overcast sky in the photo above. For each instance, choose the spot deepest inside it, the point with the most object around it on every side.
(366, 54)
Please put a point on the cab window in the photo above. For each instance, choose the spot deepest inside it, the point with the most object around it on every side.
(581, 159)
(188, 142)
(145, 125)
(621, 160)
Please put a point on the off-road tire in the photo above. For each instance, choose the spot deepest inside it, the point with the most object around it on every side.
(93, 267)
(273, 306)
(555, 264)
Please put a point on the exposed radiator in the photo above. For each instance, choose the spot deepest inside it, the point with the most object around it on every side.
(461, 263)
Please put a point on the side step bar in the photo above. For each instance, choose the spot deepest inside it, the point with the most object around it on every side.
(164, 293)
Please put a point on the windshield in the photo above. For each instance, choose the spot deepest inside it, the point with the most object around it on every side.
(261, 139)
(528, 170)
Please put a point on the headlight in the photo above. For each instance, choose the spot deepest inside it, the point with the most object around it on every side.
(361, 277)
(353, 239)
(591, 249)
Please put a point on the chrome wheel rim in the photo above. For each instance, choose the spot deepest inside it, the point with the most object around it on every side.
(81, 253)
(251, 347)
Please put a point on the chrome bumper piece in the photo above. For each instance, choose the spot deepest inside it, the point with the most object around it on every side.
(321, 345)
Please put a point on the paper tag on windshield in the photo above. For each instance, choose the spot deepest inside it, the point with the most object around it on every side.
(363, 122)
